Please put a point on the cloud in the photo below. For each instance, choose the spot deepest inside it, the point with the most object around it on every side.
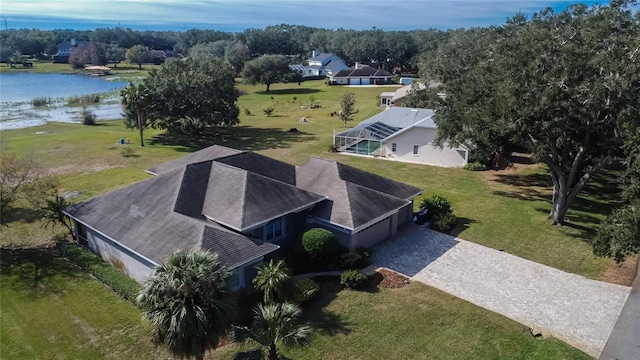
(387, 15)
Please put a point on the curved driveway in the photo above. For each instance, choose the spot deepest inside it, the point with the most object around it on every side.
(574, 309)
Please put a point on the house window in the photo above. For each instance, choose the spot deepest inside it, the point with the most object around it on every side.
(394, 147)
(415, 149)
(234, 279)
(82, 234)
(274, 230)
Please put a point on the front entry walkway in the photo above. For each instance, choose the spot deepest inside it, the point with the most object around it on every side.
(569, 307)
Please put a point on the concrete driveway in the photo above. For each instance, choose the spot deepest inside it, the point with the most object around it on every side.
(574, 309)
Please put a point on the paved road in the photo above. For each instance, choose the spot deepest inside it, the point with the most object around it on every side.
(624, 342)
(574, 309)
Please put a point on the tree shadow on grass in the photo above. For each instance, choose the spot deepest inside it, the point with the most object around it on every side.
(462, 225)
(321, 319)
(20, 214)
(292, 91)
(32, 270)
(237, 137)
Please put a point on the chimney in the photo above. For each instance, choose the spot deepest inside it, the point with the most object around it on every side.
(357, 65)
(73, 42)
(314, 53)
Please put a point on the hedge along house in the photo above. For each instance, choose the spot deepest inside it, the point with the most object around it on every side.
(241, 205)
(402, 134)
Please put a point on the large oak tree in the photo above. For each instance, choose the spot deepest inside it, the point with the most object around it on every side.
(565, 84)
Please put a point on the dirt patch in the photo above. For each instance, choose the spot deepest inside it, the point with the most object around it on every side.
(517, 163)
(385, 278)
(622, 274)
(74, 168)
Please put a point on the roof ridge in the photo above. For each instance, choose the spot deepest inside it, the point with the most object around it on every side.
(243, 196)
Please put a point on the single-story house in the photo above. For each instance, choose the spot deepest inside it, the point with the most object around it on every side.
(388, 99)
(360, 75)
(241, 205)
(320, 65)
(402, 134)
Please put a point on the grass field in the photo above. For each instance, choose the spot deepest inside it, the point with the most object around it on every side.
(504, 210)
(51, 310)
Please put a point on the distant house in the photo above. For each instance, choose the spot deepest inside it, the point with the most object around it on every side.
(320, 65)
(160, 56)
(242, 206)
(360, 75)
(402, 134)
(388, 99)
(64, 50)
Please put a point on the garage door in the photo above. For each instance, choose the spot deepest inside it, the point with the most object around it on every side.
(354, 81)
(366, 81)
(374, 234)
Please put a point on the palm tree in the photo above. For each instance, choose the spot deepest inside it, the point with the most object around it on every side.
(273, 325)
(136, 103)
(52, 213)
(274, 281)
(189, 302)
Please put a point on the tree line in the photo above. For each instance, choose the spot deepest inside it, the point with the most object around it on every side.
(387, 49)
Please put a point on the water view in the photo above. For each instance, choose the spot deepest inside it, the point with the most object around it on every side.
(18, 90)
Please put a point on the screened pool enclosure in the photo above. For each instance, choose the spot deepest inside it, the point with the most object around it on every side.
(364, 139)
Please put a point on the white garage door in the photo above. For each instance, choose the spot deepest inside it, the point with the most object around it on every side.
(354, 81)
(365, 82)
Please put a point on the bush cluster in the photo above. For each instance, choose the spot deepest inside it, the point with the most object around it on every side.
(119, 282)
(475, 166)
(353, 279)
(306, 289)
(318, 243)
(439, 213)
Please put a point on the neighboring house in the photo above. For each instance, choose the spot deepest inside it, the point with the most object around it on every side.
(388, 99)
(160, 56)
(242, 206)
(402, 134)
(64, 50)
(320, 65)
(360, 75)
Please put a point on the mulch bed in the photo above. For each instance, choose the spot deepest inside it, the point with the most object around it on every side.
(388, 279)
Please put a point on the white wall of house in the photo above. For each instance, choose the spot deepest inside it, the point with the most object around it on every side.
(427, 152)
(124, 259)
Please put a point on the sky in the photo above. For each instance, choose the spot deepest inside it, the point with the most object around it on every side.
(237, 15)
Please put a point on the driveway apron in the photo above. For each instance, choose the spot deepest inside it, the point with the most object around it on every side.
(569, 307)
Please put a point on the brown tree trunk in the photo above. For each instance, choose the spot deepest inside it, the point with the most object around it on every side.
(273, 352)
(141, 128)
(200, 357)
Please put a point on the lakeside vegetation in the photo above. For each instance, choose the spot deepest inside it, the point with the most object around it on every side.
(124, 72)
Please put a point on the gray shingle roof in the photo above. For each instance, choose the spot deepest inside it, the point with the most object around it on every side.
(208, 153)
(355, 197)
(321, 57)
(242, 200)
(262, 165)
(363, 71)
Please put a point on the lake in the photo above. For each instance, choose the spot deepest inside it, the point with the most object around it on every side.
(18, 89)
(26, 87)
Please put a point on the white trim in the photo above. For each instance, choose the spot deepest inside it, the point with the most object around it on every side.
(150, 172)
(110, 238)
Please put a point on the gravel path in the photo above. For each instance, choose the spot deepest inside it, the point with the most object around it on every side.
(574, 309)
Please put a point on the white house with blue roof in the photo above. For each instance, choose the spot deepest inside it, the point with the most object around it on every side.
(320, 64)
(401, 134)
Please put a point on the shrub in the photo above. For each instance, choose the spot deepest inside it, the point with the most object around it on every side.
(84, 100)
(41, 102)
(119, 282)
(319, 242)
(306, 289)
(353, 260)
(475, 166)
(268, 110)
(333, 148)
(444, 223)
(247, 112)
(87, 116)
(128, 151)
(437, 206)
(353, 279)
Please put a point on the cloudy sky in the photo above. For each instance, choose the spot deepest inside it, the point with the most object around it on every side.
(236, 15)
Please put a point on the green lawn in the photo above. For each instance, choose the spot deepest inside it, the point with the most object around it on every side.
(506, 212)
(414, 322)
(51, 310)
